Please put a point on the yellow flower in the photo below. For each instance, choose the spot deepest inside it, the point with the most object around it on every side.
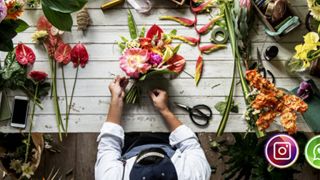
(311, 40)
(311, 3)
(39, 36)
(301, 52)
(315, 12)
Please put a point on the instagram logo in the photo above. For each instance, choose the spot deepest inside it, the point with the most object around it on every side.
(281, 151)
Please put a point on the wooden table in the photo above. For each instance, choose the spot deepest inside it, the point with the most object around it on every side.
(92, 96)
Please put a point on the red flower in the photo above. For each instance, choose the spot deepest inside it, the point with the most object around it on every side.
(79, 55)
(43, 24)
(155, 30)
(52, 43)
(38, 75)
(145, 43)
(63, 53)
(176, 63)
(24, 54)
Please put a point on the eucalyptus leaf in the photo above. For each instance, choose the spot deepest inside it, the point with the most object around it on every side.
(62, 21)
(64, 6)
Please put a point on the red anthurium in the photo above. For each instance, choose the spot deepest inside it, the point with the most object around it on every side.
(63, 53)
(176, 63)
(43, 24)
(79, 55)
(24, 54)
(38, 76)
(155, 30)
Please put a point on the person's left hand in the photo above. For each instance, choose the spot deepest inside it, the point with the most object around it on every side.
(117, 88)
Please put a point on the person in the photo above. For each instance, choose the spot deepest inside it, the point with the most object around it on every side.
(148, 158)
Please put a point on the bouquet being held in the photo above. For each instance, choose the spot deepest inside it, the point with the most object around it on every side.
(146, 55)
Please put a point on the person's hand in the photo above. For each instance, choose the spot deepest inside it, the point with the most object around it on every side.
(159, 99)
(117, 88)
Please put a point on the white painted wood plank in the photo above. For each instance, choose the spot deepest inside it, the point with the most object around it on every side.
(137, 123)
(212, 69)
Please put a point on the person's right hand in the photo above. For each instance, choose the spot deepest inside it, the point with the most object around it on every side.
(117, 88)
(159, 99)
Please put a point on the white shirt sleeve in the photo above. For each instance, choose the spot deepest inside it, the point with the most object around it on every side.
(111, 140)
(191, 162)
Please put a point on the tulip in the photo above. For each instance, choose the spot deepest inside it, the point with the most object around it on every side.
(181, 20)
(24, 54)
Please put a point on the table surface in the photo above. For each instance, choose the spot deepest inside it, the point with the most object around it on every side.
(91, 100)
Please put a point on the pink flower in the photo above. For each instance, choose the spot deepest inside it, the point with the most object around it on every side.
(38, 76)
(3, 10)
(155, 59)
(135, 61)
(24, 54)
(245, 4)
(63, 54)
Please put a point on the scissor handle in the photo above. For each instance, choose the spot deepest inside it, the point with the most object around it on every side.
(197, 112)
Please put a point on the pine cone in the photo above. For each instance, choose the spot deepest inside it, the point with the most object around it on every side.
(83, 19)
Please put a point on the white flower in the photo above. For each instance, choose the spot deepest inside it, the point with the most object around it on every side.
(16, 165)
(27, 170)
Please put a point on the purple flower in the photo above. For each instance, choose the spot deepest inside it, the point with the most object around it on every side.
(305, 90)
(3, 10)
(155, 59)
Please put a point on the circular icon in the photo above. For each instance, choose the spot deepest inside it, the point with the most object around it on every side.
(312, 152)
(281, 151)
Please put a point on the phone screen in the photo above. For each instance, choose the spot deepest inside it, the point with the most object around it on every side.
(20, 111)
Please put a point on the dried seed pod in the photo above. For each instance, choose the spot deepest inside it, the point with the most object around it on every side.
(83, 19)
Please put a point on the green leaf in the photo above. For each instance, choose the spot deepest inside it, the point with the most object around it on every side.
(142, 32)
(22, 26)
(221, 107)
(132, 26)
(156, 72)
(62, 21)
(64, 6)
(173, 32)
(176, 49)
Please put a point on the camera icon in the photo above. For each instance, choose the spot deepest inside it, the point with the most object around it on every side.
(282, 151)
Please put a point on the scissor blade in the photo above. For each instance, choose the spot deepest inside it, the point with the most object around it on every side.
(181, 106)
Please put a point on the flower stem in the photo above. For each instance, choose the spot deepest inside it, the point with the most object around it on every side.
(65, 91)
(55, 98)
(31, 123)
(71, 98)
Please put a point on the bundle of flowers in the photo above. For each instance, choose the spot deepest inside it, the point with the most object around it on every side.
(17, 161)
(146, 55)
(10, 24)
(306, 53)
(268, 102)
(60, 54)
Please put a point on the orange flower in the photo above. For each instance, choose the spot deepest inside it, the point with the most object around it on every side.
(288, 121)
(15, 9)
(272, 102)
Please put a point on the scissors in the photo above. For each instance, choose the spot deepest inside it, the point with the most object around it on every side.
(261, 69)
(199, 114)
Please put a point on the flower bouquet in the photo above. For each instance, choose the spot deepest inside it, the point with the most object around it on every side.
(13, 151)
(146, 55)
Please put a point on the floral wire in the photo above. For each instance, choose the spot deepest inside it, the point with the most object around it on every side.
(31, 122)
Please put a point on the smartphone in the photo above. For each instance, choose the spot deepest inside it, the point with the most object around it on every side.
(20, 112)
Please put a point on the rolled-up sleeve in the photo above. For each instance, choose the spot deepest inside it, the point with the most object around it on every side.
(192, 164)
(111, 140)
